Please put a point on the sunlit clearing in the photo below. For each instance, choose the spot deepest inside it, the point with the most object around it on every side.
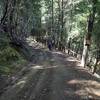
(57, 53)
(42, 67)
(31, 41)
(71, 59)
(30, 38)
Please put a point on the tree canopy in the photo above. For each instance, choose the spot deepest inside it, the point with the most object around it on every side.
(63, 20)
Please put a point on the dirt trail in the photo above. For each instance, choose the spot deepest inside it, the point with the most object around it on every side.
(52, 76)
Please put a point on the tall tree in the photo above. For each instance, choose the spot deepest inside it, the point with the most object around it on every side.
(87, 39)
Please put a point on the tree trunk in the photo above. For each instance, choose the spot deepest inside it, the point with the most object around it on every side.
(5, 13)
(62, 20)
(84, 55)
(95, 66)
(87, 40)
(52, 27)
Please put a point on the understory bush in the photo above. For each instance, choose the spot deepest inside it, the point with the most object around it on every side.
(10, 59)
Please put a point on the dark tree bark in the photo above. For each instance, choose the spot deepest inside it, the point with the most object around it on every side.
(62, 19)
(87, 39)
(5, 12)
(52, 27)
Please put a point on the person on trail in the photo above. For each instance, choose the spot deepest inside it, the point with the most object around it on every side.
(69, 45)
(63, 46)
(49, 43)
(53, 43)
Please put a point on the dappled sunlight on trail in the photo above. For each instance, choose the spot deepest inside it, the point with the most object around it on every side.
(90, 87)
(52, 75)
(41, 67)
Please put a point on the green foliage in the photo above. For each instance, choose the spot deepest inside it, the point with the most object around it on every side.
(9, 57)
(60, 21)
(11, 67)
(96, 31)
(8, 54)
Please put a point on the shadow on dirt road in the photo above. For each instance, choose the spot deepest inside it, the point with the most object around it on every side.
(52, 76)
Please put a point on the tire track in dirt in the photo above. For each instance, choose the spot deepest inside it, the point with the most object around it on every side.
(65, 81)
(15, 92)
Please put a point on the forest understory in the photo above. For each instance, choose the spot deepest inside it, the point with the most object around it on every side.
(49, 49)
(51, 76)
